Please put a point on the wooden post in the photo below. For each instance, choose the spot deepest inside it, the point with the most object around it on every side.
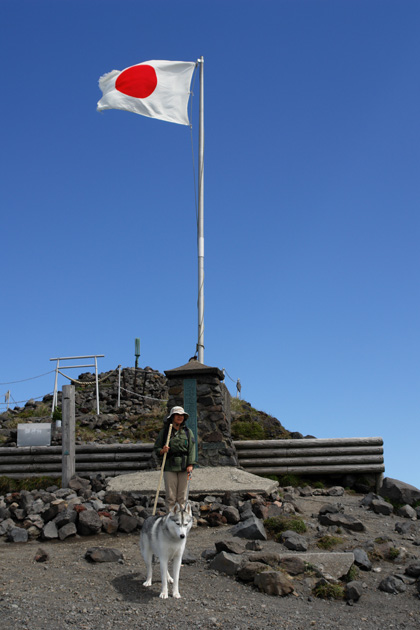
(68, 450)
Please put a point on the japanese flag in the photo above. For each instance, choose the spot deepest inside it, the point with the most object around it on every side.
(158, 89)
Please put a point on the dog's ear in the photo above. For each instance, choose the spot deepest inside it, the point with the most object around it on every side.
(176, 508)
(188, 509)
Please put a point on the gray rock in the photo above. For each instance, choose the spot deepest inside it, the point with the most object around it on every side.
(38, 506)
(89, 523)
(399, 491)
(227, 563)
(293, 565)
(252, 529)
(405, 528)
(294, 541)
(342, 520)
(41, 555)
(26, 500)
(209, 554)
(66, 516)
(333, 565)
(103, 554)
(17, 535)
(335, 491)
(6, 525)
(379, 506)
(188, 557)
(406, 511)
(78, 483)
(266, 557)
(49, 532)
(392, 584)
(353, 590)
(367, 500)
(249, 570)
(110, 524)
(275, 509)
(254, 545)
(67, 530)
(330, 508)
(230, 546)
(273, 583)
(305, 492)
(361, 559)
(4, 513)
(231, 514)
(127, 523)
(413, 570)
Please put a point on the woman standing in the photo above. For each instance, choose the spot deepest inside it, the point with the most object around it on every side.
(180, 456)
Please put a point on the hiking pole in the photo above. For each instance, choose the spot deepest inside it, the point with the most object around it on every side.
(188, 488)
(161, 470)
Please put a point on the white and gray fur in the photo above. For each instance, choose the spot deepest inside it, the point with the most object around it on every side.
(165, 538)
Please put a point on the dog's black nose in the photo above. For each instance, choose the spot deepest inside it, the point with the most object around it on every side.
(182, 536)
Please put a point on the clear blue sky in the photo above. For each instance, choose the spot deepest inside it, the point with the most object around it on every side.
(311, 204)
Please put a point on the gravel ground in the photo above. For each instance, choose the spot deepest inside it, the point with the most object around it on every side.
(68, 591)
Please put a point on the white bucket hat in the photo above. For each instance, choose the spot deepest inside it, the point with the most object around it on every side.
(178, 410)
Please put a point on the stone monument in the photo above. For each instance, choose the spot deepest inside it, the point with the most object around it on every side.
(200, 390)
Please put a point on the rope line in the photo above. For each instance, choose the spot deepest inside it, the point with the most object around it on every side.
(140, 395)
(32, 398)
(28, 379)
(86, 383)
(233, 381)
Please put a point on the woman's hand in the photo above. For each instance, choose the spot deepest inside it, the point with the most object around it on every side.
(189, 469)
(163, 450)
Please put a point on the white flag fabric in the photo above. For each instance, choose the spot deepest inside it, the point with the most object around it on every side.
(158, 89)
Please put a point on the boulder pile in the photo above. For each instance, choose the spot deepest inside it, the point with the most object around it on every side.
(325, 540)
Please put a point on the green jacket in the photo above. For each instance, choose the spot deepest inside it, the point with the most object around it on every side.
(182, 449)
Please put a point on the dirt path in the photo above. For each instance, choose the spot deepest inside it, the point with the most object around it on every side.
(67, 591)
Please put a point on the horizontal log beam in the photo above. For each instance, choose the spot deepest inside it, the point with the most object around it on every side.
(305, 452)
(87, 457)
(309, 461)
(83, 448)
(316, 470)
(310, 442)
(132, 465)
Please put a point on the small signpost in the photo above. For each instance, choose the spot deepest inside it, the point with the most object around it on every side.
(68, 435)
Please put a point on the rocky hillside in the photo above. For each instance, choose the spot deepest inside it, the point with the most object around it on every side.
(139, 416)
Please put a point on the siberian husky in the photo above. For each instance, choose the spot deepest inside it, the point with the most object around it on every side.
(165, 537)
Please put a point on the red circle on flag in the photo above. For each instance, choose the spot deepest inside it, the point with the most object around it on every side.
(138, 81)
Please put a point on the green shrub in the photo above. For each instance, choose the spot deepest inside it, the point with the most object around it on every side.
(291, 480)
(328, 542)
(393, 553)
(57, 414)
(7, 484)
(247, 430)
(352, 574)
(276, 525)
(328, 591)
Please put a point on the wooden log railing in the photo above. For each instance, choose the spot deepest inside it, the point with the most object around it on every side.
(107, 459)
(312, 456)
(305, 457)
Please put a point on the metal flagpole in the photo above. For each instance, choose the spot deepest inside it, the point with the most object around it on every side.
(200, 223)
